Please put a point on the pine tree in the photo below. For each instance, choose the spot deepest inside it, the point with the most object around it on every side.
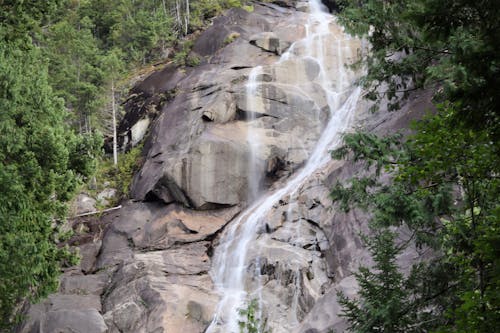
(445, 186)
(449, 45)
(74, 66)
(41, 163)
(444, 190)
(386, 303)
(114, 68)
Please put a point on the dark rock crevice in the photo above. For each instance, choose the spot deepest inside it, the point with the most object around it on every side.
(249, 115)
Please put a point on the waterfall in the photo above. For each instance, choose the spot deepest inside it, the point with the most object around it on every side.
(254, 177)
(230, 264)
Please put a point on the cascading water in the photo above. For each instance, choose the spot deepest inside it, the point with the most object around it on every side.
(231, 258)
(252, 138)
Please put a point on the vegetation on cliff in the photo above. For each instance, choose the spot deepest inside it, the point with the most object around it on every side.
(41, 163)
(61, 64)
(445, 186)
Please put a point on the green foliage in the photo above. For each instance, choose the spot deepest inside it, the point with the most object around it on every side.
(74, 67)
(41, 163)
(181, 57)
(450, 45)
(445, 187)
(120, 176)
(252, 321)
(248, 8)
(19, 19)
(231, 38)
(381, 152)
(81, 37)
(193, 60)
(388, 300)
(127, 166)
(203, 10)
(431, 165)
(85, 150)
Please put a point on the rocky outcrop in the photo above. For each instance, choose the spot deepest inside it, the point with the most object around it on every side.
(67, 313)
(342, 230)
(198, 147)
(148, 267)
(149, 275)
(161, 253)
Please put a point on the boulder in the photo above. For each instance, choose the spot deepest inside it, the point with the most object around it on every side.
(88, 253)
(212, 174)
(66, 314)
(181, 226)
(105, 196)
(151, 226)
(270, 42)
(79, 284)
(84, 204)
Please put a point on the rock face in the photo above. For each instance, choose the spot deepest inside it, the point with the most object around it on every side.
(149, 266)
(149, 275)
(198, 147)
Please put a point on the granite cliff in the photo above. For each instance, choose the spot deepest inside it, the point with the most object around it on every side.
(224, 141)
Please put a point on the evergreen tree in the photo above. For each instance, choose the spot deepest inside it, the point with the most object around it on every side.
(114, 68)
(74, 66)
(449, 45)
(445, 187)
(41, 163)
(388, 300)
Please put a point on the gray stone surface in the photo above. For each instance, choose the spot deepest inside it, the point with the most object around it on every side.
(88, 253)
(84, 204)
(198, 148)
(66, 314)
(79, 284)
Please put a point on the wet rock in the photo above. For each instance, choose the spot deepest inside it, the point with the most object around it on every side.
(302, 6)
(197, 148)
(289, 275)
(300, 70)
(332, 5)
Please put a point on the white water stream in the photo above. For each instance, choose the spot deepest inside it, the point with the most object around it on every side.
(231, 258)
(252, 137)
